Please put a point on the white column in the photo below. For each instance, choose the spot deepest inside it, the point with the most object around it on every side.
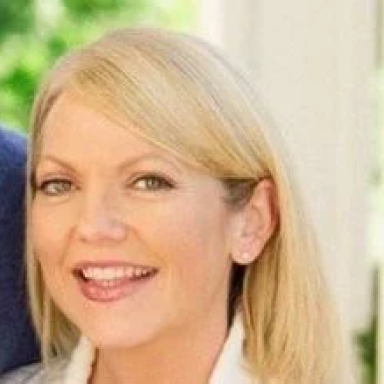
(312, 63)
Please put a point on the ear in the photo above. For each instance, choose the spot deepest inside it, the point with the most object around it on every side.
(257, 222)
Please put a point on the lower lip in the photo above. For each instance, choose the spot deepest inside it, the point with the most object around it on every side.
(122, 289)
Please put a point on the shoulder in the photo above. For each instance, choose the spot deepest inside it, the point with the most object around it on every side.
(17, 344)
(36, 374)
(13, 148)
(12, 160)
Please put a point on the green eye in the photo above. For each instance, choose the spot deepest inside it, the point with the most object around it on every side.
(152, 183)
(56, 187)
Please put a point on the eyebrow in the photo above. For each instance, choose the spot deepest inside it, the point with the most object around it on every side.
(128, 163)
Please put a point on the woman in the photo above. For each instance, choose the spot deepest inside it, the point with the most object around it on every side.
(166, 240)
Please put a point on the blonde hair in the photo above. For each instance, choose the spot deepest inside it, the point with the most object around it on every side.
(179, 93)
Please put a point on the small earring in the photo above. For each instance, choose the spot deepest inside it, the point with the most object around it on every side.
(245, 258)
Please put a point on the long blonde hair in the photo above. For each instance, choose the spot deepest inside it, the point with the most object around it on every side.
(179, 93)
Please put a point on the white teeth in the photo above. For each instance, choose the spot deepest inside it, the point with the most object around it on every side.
(129, 272)
(114, 273)
(137, 272)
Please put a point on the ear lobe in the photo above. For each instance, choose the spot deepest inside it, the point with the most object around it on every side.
(258, 223)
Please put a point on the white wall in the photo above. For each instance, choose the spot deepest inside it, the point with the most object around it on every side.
(312, 62)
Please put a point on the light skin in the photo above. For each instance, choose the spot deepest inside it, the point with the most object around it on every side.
(107, 197)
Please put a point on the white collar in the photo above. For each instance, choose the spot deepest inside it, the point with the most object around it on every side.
(229, 369)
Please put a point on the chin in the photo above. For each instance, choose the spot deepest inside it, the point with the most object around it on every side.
(116, 340)
(113, 336)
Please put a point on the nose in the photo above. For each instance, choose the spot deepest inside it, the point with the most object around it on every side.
(100, 221)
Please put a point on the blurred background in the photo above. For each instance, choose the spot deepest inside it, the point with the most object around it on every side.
(318, 69)
(35, 32)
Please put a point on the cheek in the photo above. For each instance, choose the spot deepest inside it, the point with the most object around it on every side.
(49, 231)
(49, 236)
(193, 245)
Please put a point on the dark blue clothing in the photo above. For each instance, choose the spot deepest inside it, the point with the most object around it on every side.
(17, 341)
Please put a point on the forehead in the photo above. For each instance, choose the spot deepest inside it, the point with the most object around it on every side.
(79, 134)
(73, 125)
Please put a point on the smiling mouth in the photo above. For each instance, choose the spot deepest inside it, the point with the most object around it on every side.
(109, 283)
(112, 275)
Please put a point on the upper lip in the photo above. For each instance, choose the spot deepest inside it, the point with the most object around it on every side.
(109, 264)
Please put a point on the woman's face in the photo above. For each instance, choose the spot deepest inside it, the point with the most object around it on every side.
(133, 243)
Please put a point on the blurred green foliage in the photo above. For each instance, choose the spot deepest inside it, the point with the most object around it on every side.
(366, 340)
(33, 33)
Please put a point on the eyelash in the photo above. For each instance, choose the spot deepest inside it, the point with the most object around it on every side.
(161, 183)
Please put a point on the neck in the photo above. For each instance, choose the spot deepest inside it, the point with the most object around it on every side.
(187, 355)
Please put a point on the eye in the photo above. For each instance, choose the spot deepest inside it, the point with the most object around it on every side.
(56, 187)
(152, 182)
